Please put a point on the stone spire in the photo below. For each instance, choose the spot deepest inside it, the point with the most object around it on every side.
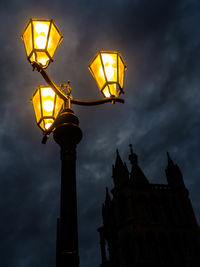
(120, 171)
(137, 175)
(173, 173)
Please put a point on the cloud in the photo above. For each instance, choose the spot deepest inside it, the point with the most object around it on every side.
(159, 41)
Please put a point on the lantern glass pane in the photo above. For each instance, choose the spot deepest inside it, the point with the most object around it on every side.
(110, 66)
(27, 37)
(41, 58)
(41, 29)
(98, 72)
(58, 106)
(37, 106)
(110, 90)
(47, 123)
(113, 89)
(48, 100)
(54, 39)
(121, 71)
(106, 91)
(32, 58)
(42, 125)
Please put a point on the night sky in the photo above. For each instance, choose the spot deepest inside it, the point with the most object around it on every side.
(160, 43)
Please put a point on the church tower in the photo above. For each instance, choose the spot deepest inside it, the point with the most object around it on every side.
(148, 225)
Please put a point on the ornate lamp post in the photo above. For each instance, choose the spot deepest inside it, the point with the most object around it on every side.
(52, 106)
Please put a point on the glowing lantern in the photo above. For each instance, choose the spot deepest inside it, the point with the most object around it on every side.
(46, 105)
(41, 38)
(108, 70)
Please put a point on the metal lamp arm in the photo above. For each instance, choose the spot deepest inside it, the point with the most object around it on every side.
(97, 102)
(49, 81)
(46, 77)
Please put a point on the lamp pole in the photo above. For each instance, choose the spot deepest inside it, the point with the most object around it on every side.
(67, 134)
(54, 114)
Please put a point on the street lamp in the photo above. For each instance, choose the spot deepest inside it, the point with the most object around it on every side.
(46, 105)
(41, 38)
(52, 106)
(108, 70)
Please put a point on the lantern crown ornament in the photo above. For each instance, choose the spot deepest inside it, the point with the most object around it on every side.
(108, 69)
(41, 38)
(47, 106)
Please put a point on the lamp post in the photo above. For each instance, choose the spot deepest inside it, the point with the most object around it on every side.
(52, 106)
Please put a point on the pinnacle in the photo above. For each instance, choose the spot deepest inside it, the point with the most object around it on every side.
(170, 161)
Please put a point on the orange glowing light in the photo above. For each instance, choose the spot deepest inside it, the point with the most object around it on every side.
(41, 38)
(46, 105)
(108, 70)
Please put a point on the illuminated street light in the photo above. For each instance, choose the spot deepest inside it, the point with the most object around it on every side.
(41, 38)
(108, 70)
(46, 105)
(52, 106)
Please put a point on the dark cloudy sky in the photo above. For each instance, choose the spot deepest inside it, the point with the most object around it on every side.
(160, 43)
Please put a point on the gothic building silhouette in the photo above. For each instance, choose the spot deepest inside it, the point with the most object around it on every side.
(148, 225)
